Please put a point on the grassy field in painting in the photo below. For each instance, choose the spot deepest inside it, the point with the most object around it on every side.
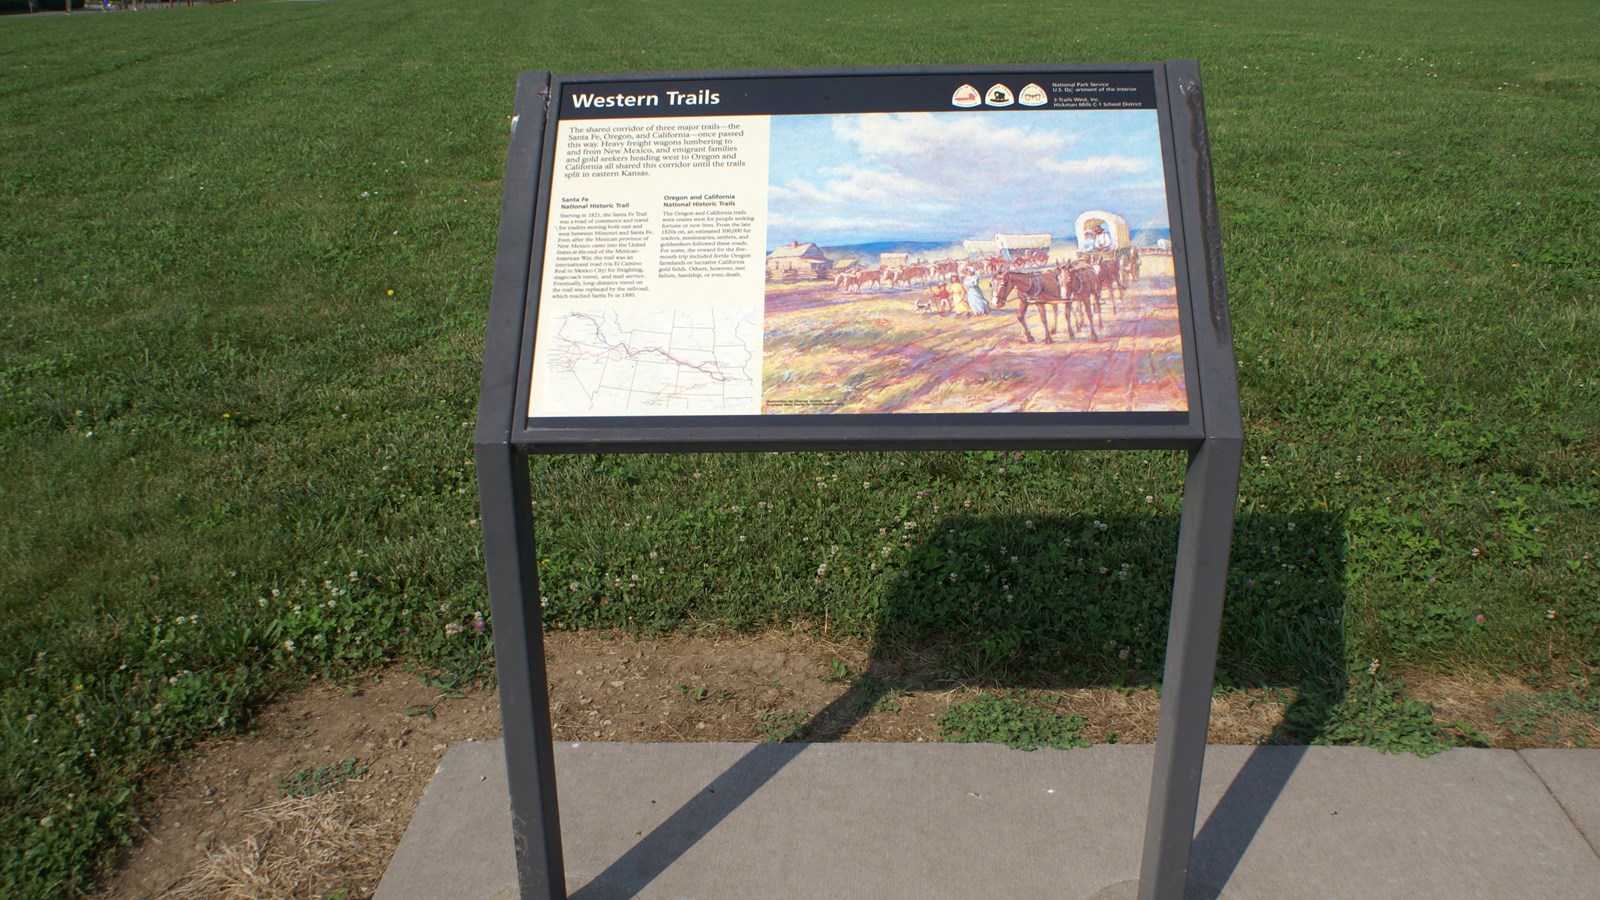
(877, 351)
(244, 263)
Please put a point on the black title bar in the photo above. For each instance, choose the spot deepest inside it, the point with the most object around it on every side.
(858, 94)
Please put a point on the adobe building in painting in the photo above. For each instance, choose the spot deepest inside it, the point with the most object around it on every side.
(795, 261)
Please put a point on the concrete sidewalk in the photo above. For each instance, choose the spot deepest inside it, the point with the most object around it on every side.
(969, 821)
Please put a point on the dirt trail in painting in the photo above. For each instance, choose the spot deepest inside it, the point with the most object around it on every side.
(876, 352)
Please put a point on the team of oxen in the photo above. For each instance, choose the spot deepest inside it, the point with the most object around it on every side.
(1074, 290)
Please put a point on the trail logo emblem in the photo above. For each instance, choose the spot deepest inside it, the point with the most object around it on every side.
(966, 97)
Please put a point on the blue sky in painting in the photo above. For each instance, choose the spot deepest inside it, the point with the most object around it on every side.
(947, 176)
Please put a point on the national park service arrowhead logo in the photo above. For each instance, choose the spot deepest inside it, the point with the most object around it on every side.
(999, 95)
(966, 97)
(1032, 95)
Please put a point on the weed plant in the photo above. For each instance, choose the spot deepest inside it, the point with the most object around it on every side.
(1375, 712)
(245, 254)
(783, 726)
(1571, 713)
(1010, 720)
(313, 780)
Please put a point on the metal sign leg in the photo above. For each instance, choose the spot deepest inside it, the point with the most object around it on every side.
(511, 561)
(1205, 535)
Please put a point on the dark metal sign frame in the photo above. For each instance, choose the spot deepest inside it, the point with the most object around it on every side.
(1210, 430)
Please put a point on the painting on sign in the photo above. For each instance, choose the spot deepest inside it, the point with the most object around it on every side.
(958, 262)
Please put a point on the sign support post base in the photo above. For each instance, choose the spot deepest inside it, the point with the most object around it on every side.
(511, 560)
(1205, 532)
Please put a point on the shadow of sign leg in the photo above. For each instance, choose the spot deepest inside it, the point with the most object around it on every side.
(1204, 537)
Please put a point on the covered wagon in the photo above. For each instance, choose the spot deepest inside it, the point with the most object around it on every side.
(981, 249)
(1103, 234)
(1025, 249)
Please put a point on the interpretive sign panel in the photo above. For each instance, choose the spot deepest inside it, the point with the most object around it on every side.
(903, 259)
(806, 259)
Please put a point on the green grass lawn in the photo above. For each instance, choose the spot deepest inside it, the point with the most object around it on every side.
(245, 253)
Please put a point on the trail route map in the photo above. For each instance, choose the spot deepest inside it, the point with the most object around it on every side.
(671, 362)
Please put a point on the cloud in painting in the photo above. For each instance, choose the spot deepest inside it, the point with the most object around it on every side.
(947, 176)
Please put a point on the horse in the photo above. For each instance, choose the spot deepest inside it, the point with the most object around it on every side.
(1083, 282)
(1110, 277)
(1044, 289)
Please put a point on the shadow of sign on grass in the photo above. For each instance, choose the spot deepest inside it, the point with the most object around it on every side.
(1017, 604)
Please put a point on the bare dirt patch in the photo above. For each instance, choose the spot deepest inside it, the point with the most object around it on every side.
(1486, 704)
(219, 826)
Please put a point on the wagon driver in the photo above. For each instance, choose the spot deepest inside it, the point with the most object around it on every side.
(1102, 242)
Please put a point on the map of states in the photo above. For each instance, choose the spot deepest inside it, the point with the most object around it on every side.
(651, 362)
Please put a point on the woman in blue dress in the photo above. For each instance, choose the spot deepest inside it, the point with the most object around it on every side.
(975, 297)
